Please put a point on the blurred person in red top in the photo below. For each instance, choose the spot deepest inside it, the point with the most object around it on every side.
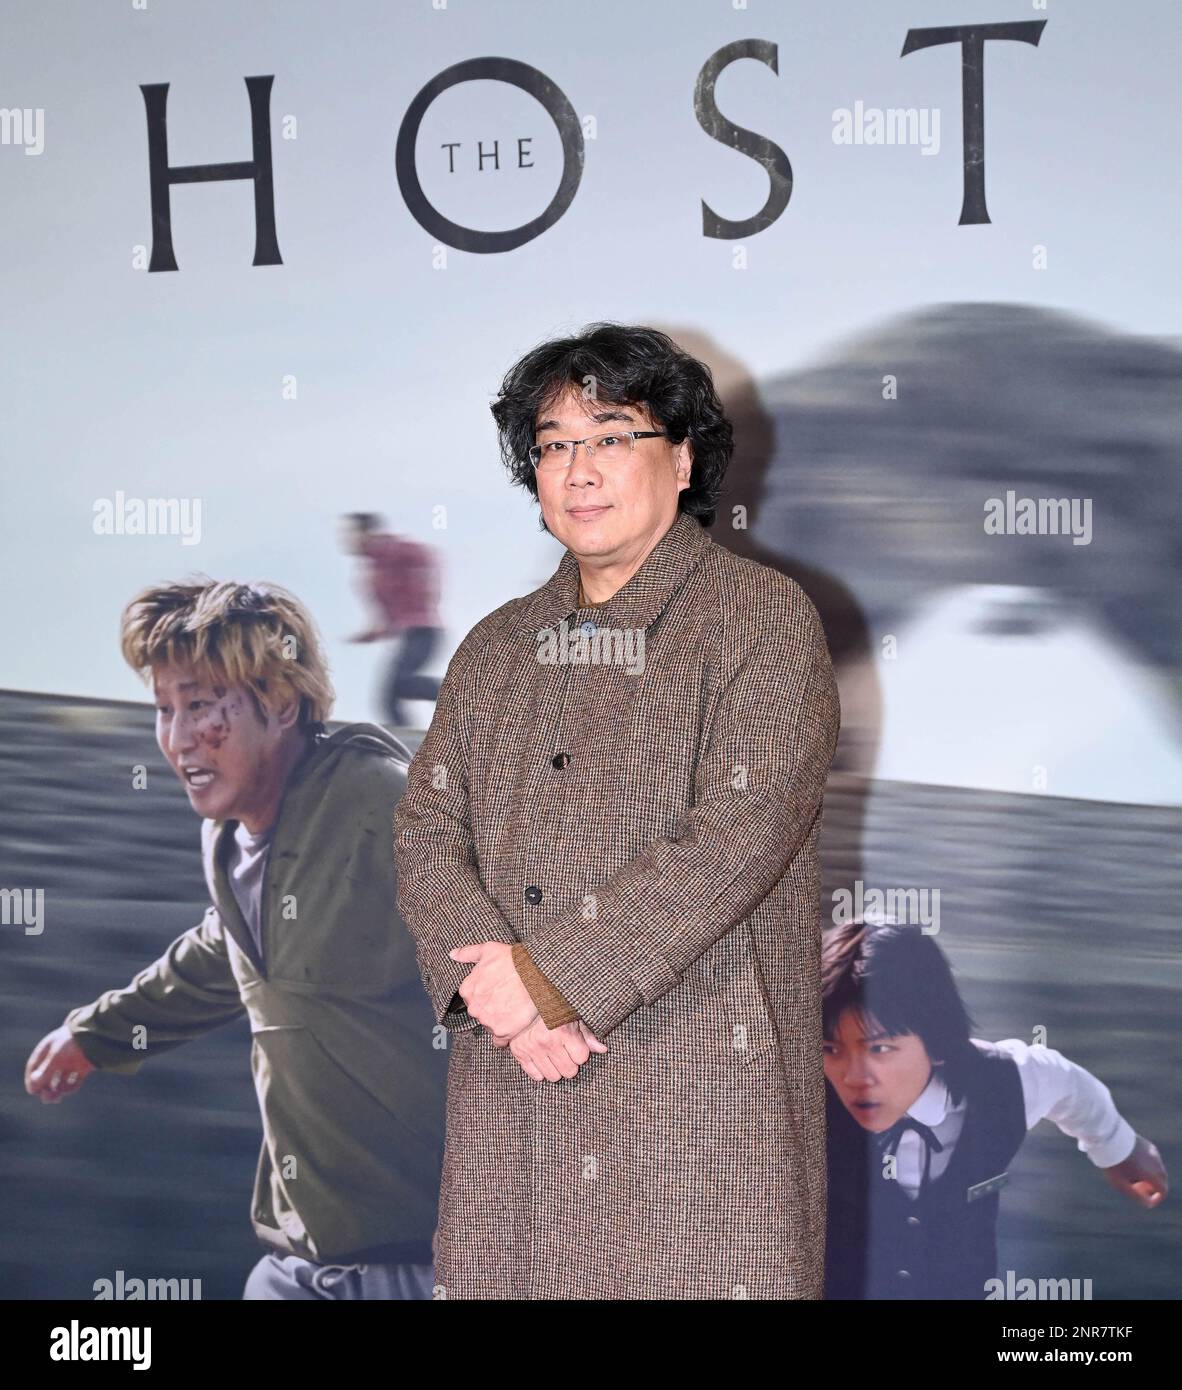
(402, 581)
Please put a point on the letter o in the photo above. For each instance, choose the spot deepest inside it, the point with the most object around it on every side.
(562, 113)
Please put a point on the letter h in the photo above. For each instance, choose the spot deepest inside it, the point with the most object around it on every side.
(162, 174)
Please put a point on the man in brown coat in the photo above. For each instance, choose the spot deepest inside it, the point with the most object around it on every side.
(607, 854)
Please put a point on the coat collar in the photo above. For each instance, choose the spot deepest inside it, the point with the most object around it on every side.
(641, 601)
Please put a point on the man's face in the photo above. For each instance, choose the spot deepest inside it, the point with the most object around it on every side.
(878, 1076)
(609, 511)
(225, 755)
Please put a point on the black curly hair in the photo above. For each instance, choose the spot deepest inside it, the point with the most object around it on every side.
(630, 365)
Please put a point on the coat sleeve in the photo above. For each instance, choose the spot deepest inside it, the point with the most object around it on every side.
(185, 993)
(758, 789)
(441, 896)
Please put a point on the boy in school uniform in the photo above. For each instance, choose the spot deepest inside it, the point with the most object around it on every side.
(924, 1120)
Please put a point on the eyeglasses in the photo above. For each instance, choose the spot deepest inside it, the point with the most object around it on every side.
(617, 447)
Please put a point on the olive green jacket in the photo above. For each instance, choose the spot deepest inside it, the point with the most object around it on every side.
(349, 1065)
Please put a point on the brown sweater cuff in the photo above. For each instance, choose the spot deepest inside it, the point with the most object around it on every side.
(550, 1004)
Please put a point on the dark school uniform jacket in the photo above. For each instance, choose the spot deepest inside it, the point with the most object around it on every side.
(883, 1244)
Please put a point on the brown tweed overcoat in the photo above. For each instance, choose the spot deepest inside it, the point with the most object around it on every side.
(664, 876)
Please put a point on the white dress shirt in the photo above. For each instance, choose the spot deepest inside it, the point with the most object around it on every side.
(1053, 1087)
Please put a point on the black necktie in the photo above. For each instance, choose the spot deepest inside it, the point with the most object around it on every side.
(889, 1142)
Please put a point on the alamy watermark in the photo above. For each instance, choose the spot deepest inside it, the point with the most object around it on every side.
(913, 906)
(23, 125)
(83, 1343)
(135, 1290)
(897, 125)
(588, 644)
(148, 516)
(1054, 1290)
(23, 907)
(1012, 515)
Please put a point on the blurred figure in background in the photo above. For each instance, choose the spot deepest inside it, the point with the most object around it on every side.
(301, 936)
(402, 582)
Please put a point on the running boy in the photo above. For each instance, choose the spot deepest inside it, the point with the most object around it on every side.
(923, 1121)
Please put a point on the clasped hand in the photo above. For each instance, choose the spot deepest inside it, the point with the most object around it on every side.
(495, 996)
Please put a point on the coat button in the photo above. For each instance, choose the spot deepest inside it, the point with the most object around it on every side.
(533, 894)
(560, 759)
(588, 629)
(913, 1221)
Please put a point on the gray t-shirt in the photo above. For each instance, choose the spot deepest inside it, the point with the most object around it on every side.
(246, 867)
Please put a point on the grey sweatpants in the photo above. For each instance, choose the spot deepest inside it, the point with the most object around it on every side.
(289, 1276)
